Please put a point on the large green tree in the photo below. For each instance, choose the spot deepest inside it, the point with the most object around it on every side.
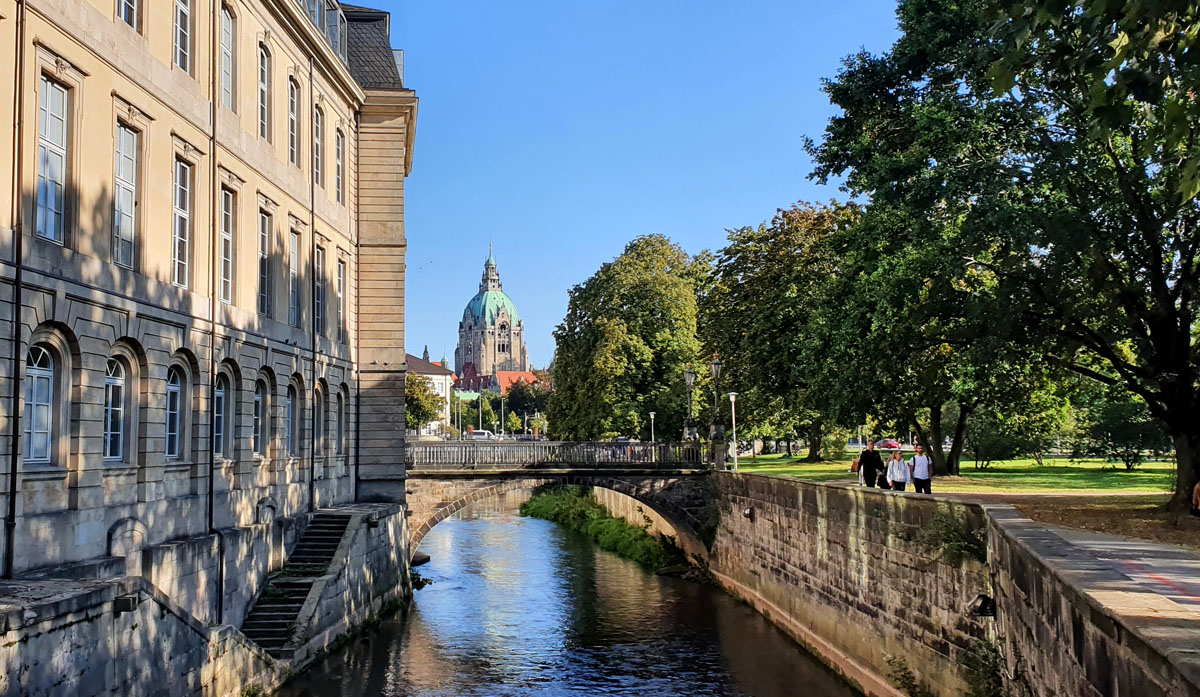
(1055, 149)
(762, 313)
(621, 350)
(421, 403)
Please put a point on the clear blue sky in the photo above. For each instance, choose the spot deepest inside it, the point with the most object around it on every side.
(561, 130)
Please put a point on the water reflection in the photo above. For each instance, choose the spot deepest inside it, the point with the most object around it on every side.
(520, 607)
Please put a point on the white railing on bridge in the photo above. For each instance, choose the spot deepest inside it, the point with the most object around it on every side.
(518, 454)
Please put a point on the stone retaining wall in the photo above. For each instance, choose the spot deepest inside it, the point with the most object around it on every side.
(121, 636)
(370, 568)
(841, 570)
(634, 512)
(1075, 627)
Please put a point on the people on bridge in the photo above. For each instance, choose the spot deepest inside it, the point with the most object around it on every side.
(898, 473)
(870, 465)
(1196, 500)
(921, 468)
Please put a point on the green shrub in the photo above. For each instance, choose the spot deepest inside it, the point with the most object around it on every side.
(576, 509)
(903, 678)
(953, 535)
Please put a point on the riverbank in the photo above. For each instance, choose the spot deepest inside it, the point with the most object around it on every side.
(576, 508)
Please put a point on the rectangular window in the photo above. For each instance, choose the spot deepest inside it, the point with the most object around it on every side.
(52, 160)
(182, 227)
(127, 10)
(183, 35)
(264, 93)
(293, 123)
(319, 291)
(341, 300)
(318, 148)
(125, 195)
(294, 281)
(339, 164)
(228, 222)
(264, 262)
(227, 57)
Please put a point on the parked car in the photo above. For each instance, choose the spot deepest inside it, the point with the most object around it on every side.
(483, 435)
(888, 444)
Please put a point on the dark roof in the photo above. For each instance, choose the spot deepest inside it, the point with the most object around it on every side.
(424, 367)
(369, 49)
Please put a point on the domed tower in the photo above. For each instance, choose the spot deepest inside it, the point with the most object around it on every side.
(491, 336)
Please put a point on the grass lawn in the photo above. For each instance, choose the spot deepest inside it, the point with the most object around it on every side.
(1008, 477)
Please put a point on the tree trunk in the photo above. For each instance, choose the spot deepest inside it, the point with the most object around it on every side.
(956, 446)
(1186, 475)
(933, 439)
(814, 442)
(789, 446)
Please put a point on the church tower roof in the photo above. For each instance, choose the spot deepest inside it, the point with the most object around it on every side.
(491, 298)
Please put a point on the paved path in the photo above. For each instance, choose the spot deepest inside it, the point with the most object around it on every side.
(1166, 570)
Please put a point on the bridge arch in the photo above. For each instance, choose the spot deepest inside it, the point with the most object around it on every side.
(432, 500)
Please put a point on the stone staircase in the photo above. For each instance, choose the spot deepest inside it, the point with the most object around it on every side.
(273, 616)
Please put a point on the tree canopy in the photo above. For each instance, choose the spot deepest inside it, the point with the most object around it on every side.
(629, 332)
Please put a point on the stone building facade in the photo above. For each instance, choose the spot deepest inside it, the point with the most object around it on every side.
(491, 335)
(201, 267)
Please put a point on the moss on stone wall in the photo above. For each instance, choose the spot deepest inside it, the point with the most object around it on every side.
(575, 508)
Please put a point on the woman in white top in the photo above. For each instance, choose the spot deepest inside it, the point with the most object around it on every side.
(898, 474)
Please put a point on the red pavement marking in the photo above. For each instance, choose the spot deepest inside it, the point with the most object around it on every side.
(1162, 580)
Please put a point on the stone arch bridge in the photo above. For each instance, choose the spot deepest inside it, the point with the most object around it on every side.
(441, 479)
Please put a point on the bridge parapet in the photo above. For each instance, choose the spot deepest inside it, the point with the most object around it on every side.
(453, 455)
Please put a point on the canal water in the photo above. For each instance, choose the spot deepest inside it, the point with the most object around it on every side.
(522, 607)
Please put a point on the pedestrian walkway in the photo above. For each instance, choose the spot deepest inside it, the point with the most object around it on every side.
(1166, 570)
(1152, 590)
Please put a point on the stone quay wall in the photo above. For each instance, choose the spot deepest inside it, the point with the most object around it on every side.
(370, 568)
(122, 637)
(1075, 627)
(634, 512)
(88, 630)
(841, 569)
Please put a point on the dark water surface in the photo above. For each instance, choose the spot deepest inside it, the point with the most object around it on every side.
(522, 607)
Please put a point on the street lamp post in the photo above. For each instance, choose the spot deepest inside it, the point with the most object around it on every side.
(652, 448)
(689, 427)
(733, 423)
(716, 434)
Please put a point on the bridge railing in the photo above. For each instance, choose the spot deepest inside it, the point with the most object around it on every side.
(518, 454)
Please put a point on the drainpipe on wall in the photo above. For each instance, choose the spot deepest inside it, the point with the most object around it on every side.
(354, 355)
(312, 286)
(213, 101)
(18, 233)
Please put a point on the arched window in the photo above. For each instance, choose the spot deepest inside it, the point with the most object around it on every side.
(319, 423)
(220, 414)
(175, 404)
(262, 419)
(291, 436)
(339, 424)
(39, 404)
(114, 410)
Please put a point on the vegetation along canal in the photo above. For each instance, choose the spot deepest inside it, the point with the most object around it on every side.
(521, 606)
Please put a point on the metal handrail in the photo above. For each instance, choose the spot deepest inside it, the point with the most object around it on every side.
(519, 454)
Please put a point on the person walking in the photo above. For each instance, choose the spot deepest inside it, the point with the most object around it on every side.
(898, 472)
(871, 466)
(921, 469)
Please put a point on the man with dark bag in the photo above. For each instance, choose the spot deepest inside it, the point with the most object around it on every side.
(871, 465)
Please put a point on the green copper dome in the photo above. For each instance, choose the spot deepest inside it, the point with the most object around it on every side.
(486, 306)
